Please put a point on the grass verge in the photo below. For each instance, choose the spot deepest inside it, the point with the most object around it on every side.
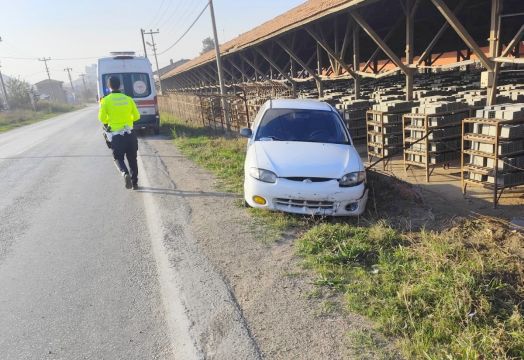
(16, 118)
(455, 294)
(224, 157)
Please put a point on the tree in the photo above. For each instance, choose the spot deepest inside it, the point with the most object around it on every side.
(208, 44)
(19, 93)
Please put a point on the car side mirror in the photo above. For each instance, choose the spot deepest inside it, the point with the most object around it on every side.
(247, 133)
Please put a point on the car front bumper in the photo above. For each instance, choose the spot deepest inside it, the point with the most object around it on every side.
(316, 198)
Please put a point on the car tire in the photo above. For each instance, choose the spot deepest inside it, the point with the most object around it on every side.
(156, 130)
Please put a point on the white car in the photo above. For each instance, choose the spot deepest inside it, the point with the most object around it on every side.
(301, 159)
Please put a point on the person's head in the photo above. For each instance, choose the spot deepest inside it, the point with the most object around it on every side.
(114, 83)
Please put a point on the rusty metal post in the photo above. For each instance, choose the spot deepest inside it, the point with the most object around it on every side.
(494, 49)
(409, 49)
(356, 59)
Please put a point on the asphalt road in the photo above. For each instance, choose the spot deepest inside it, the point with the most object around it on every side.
(78, 277)
(91, 270)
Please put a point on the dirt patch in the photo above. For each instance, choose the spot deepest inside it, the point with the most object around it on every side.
(289, 317)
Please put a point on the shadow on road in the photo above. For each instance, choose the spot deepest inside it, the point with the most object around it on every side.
(182, 193)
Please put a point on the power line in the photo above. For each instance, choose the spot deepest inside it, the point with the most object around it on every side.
(185, 33)
(173, 13)
(181, 18)
(156, 19)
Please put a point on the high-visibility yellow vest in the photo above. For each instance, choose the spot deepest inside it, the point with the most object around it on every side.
(118, 111)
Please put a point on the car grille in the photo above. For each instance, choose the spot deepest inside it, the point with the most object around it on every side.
(310, 204)
(313, 179)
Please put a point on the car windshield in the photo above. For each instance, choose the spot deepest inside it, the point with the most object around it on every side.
(135, 85)
(302, 125)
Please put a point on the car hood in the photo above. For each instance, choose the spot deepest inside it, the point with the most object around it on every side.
(306, 159)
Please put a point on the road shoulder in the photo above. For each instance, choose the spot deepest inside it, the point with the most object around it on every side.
(284, 311)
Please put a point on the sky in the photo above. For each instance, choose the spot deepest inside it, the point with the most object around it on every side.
(74, 33)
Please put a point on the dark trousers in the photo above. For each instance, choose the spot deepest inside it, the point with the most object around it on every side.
(126, 145)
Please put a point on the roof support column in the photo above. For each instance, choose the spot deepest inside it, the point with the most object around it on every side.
(409, 49)
(513, 44)
(345, 42)
(356, 59)
(494, 49)
(463, 33)
(427, 53)
(192, 80)
(253, 65)
(330, 52)
(277, 68)
(319, 60)
(311, 72)
(245, 77)
(383, 46)
(212, 77)
(373, 56)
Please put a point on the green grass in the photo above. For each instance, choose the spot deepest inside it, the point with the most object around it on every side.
(16, 118)
(456, 294)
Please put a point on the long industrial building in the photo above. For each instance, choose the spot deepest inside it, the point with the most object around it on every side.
(335, 39)
(405, 74)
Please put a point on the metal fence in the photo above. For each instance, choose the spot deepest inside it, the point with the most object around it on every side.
(205, 109)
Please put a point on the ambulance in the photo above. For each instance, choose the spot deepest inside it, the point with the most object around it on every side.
(136, 77)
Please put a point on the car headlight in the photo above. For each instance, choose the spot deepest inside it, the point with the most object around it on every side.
(352, 179)
(263, 175)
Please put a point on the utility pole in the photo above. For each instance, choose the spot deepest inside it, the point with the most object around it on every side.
(153, 46)
(71, 83)
(45, 60)
(142, 31)
(83, 76)
(3, 86)
(219, 67)
(4, 89)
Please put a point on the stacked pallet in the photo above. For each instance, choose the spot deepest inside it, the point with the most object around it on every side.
(432, 134)
(384, 129)
(354, 114)
(493, 148)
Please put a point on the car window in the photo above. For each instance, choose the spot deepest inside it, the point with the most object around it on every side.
(136, 85)
(302, 125)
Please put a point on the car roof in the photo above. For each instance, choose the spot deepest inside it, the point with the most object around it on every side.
(306, 104)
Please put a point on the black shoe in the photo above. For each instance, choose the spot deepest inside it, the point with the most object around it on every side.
(135, 186)
(128, 182)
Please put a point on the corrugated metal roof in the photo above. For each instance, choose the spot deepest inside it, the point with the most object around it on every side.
(300, 15)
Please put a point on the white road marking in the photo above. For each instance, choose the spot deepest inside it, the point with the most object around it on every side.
(184, 347)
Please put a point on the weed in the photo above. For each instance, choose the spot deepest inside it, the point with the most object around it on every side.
(368, 345)
(328, 307)
(443, 294)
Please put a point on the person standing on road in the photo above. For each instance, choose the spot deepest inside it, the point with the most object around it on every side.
(118, 112)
